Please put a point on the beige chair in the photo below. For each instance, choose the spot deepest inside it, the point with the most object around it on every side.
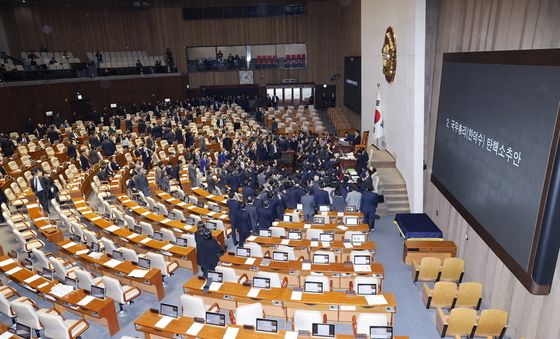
(194, 307)
(427, 270)
(56, 327)
(158, 261)
(362, 323)
(442, 295)
(247, 314)
(460, 321)
(469, 295)
(491, 323)
(452, 270)
(304, 320)
(122, 294)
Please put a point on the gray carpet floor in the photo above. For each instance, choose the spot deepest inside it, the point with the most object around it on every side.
(412, 318)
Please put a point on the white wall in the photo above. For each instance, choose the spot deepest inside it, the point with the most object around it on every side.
(403, 99)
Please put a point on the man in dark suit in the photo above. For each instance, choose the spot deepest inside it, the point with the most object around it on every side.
(40, 186)
(293, 196)
(242, 223)
(108, 147)
(208, 249)
(141, 182)
(308, 205)
(84, 162)
(321, 197)
(7, 146)
(369, 206)
(233, 205)
(72, 152)
(265, 216)
(252, 210)
(362, 159)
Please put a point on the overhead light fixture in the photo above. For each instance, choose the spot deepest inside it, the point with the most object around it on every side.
(324, 85)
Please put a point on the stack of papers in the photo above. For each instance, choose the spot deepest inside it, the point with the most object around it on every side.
(347, 244)
(285, 242)
(137, 273)
(362, 268)
(84, 251)
(112, 228)
(296, 295)
(291, 335)
(215, 286)
(231, 333)
(6, 335)
(112, 263)
(306, 266)
(194, 329)
(253, 292)
(373, 300)
(68, 245)
(14, 270)
(61, 290)
(32, 279)
(167, 247)
(251, 238)
(163, 322)
(86, 300)
(95, 255)
(145, 240)
(249, 261)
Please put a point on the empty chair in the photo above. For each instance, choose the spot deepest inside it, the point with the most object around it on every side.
(55, 163)
(348, 234)
(161, 209)
(452, 270)
(304, 320)
(365, 279)
(147, 229)
(194, 307)
(229, 275)
(247, 314)
(129, 221)
(256, 249)
(442, 295)
(287, 249)
(90, 238)
(122, 294)
(41, 260)
(491, 323)
(168, 235)
(56, 327)
(27, 246)
(469, 295)
(25, 232)
(190, 239)
(459, 322)
(362, 323)
(129, 254)
(158, 261)
(274, 277)
(61, 271)
(108, 246)
(427, 269)
(86, 280)
(313, 234)
(278, 232)
(27, 315)
(359, 253)
(327, 283)
(151, 203)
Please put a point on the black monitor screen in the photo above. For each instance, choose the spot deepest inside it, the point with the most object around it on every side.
(158, 236)
(362, 260)
(265, 233)
(313, 287)
(353, 83)
(118, 255)
(293, 235)
(23, 331)
(326, 237)
(321, 258)
(47, 273)
(169, 310)
(366, 289)
(323, 330)
(95, 247)
(280, 256)
(260, 282)
(71, 282)
(215, 319)
(267, 325)
(97, 292)
(138, 229)
(144, 263)
(212, 226)
(190, 221)
(182, 242)
(381, 332)
(243, 252)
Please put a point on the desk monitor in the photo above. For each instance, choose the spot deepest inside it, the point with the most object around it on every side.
(190, 221)
(267, 325)
(167, 100)
(351, 221)
(118, 255)
(294, 235)
(350, 208)
(299, 207)
(261, 282)
(265, 233)
(358, 238)
(381, 332)
(158, 236)
(113, 105)
(324, 208)
(211, 225)
(95, 247)
(23, 331)
(97, 292)
(366, 289)
(321, 259)
(313, 287)
(47, 273)
(144, 263)
(138, 229)
(200, 204)
(279, 256)
(76, 238)
(323, 330)
(169, 310)
(49, 113)
(215, 319)
(326, 237)
(216, 277)
(243, 252)
(318, 220)
(182, 242)
(215, 208)
(287, 218)
(362, 260)
(71, 282)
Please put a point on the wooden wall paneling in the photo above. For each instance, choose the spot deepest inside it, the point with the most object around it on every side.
(485, 25)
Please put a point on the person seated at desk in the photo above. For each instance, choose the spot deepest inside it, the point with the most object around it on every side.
(208, 250)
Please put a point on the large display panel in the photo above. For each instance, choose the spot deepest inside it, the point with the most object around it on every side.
(495, 149)
(353, 83)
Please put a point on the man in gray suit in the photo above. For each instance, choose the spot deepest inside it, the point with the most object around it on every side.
(192, 174)
(308, 206)
(354, 197)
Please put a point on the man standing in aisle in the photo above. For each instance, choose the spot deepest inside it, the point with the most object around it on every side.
(40, 186)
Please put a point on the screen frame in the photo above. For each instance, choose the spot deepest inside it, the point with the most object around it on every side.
(284, 254)
(175, 310)
(220, 274)
(318, 283)
(244, 249)
(537, 278)
(143, 260)
(315, 326)
(265, 279)
(221, 316)
(386, 327)
(99, 288)
(275, 322)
